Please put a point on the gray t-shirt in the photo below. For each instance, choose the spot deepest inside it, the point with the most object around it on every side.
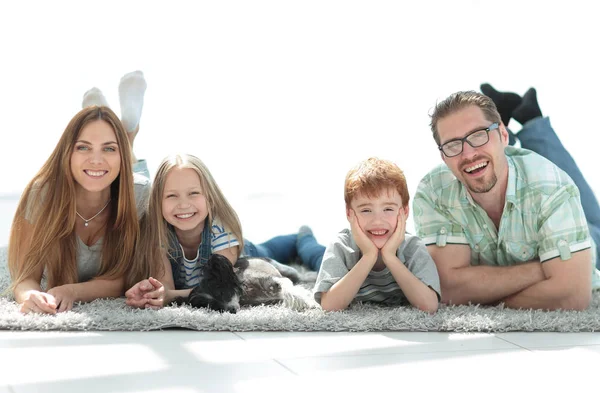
(89, 258)
(379, 286)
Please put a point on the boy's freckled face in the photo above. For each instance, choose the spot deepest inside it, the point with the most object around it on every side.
(184, 204)
(378, 216)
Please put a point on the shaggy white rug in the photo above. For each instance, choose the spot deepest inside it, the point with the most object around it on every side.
(113, 314)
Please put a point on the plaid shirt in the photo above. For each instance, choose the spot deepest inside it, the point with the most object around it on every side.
(542, 219)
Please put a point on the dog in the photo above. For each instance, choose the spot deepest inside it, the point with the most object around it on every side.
(251, 281)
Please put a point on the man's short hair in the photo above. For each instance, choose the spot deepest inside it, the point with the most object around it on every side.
(458, 101)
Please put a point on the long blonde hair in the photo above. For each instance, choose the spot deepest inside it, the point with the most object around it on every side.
(154, 240)
(48, 203)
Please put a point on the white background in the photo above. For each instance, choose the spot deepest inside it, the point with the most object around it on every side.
(281, 98)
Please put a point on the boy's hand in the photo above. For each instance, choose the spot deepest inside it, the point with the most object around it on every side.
(360, 237)
(391, 245)
(64, 296)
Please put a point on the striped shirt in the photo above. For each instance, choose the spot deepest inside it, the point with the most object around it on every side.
(379, 286)
(187, 272)
(542, 219)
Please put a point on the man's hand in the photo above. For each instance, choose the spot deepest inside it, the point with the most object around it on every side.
(148, 293)
(39, 302)
(391, 245)
(363, 242)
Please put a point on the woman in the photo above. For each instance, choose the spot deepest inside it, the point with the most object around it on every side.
(76, 224)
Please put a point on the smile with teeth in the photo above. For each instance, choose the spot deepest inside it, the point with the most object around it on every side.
(184, 216)
(473, 168)
(95, 173)
(379, 232)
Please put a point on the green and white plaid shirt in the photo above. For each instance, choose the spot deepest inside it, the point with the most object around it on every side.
(542, 219)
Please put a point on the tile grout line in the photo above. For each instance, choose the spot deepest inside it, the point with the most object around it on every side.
(510, 342)
(236, 334)
(286, 367)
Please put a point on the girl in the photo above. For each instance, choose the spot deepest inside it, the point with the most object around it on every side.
(76, 223)
(189, 219)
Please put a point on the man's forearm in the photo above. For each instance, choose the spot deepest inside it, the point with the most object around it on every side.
(488, 284)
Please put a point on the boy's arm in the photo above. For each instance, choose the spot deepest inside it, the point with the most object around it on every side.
(341, 294)
(418, 294)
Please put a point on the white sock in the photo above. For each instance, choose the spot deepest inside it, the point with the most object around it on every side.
(93, 97)
(131, 95)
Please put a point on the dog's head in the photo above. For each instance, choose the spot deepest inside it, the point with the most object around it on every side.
(219, 289)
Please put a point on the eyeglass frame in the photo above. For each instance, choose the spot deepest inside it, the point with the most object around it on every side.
(493, 126)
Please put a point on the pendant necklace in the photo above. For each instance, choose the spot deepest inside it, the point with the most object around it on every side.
(86, 221)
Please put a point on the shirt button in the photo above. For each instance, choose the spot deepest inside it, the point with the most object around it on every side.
(476, 247)
(562, 242)
(443, 230)
(485, 226)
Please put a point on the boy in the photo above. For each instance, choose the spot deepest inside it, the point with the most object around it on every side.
(376, 260)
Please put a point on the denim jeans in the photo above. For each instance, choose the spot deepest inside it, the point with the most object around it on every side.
(141, 167)
(538, 135)
(286, 249)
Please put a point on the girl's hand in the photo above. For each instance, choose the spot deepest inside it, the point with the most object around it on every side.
(64, 296)
(360, 237)
(156, 298)
(39, 302)
(143, 292)
(391, 245)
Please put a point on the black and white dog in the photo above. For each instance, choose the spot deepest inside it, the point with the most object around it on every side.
(252, 281)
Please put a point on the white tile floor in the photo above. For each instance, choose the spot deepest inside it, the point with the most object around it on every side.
(186, 361)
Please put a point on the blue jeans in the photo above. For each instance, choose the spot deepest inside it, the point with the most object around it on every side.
(287, 248)
(539, 136)
(141, 167)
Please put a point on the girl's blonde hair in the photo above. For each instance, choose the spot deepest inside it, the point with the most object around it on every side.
(48, 204)
(154, 241)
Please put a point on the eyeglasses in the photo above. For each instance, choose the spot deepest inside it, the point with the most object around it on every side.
(477, 138)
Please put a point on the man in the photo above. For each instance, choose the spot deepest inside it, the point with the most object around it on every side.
(502, 224)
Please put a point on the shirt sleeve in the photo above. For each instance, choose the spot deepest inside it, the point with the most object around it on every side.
(432, 224)
(421, 265)
(333, 267)
(563, 228)
(222, 238)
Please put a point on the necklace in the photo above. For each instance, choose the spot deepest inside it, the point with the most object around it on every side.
(86, 221)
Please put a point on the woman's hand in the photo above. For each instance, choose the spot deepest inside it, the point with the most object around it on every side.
(64, 296)
(38, 302)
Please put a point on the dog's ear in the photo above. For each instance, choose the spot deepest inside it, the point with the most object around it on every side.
(222, 273)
